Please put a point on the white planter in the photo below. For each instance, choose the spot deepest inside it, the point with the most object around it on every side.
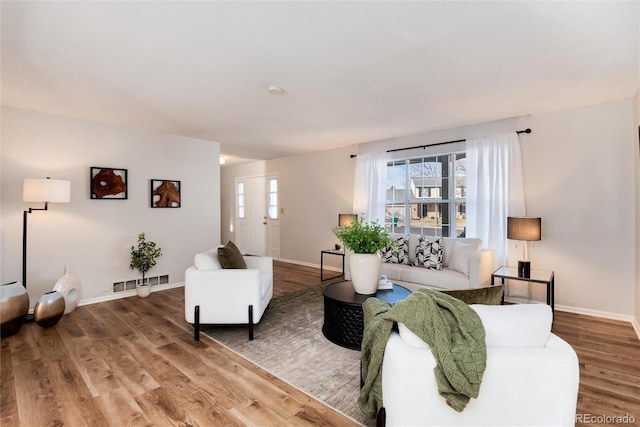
(144, 290)
(365, 272)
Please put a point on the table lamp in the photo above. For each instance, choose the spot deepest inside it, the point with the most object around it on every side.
(345, 220)
(525, 229)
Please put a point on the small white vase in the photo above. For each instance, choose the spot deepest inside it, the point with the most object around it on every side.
(365, 272)
(68, 285)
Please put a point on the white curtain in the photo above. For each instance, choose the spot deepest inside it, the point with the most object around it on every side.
(370, 186)
(494, 190)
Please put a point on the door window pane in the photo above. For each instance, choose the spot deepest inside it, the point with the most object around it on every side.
(273, 198)
(241, 213)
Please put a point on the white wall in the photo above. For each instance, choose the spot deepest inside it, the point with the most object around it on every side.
(313, 189)
(578, 171)
(93, 237)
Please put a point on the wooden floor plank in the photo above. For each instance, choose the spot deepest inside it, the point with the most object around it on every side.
(37, 401)
(163, 408)
(133, 375)
(8, 401)
(122, 409)
(79, 408)
(608, 352)
(133, 362)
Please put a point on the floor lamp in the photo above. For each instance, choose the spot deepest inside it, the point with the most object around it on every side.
(42, 191)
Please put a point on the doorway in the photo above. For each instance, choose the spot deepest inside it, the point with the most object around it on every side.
(257, 216)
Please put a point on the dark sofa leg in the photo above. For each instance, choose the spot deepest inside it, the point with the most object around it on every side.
(196, 329)
(250, 323)
(381, 418)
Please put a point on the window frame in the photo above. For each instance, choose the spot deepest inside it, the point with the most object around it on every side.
(445, 195)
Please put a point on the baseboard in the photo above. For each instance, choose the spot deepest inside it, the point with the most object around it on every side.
(602, 314)
(126, 294)
(309, 264)
(595, 313)
(636, 326)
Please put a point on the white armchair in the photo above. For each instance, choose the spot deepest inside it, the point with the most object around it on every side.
(214, 295)
(531, 377)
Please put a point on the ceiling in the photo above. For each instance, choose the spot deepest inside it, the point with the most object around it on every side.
(351, 72)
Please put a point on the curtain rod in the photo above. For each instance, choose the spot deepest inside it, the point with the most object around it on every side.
(527, 130)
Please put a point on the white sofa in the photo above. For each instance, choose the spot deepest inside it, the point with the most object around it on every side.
(531, 377)
(465, 265)
(214, 295)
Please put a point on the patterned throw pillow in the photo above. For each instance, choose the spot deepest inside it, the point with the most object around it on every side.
(399, 254)
(429, 254)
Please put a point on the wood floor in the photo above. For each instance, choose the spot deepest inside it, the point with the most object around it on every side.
(609, 356)
(133, 362)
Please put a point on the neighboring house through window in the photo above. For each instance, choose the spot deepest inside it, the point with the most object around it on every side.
(427, 195)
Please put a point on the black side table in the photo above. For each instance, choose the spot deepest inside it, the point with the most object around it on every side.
(343, 317)
(536, 276)
(330, 252)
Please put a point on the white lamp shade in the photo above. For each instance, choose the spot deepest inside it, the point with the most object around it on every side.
(46, 190)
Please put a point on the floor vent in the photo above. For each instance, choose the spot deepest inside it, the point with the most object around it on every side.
(129, 285)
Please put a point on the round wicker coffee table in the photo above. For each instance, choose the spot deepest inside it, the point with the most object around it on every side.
(343, 318)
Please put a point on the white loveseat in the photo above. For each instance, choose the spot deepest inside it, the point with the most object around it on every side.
(214, 295)
(531, 377)
(465, 264)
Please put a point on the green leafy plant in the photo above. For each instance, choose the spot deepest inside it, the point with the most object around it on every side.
(143, 257)
(363, 237)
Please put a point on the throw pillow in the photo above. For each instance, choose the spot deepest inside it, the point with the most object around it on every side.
(398, 254)
(207, 260)
(460, 255)
(429, 254)
(230, 257)
(491, 295)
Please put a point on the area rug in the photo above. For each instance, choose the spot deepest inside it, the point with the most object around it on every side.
(289, 344)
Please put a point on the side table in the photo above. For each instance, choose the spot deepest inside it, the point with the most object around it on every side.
(330, 252)
(536, 276)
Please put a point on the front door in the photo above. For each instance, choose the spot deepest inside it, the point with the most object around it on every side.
(251, 233)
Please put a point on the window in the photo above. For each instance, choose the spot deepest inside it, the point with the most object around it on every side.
(427, 195)
(273, 198)
(241, 201)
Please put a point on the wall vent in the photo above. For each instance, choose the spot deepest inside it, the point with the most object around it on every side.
(130, 285)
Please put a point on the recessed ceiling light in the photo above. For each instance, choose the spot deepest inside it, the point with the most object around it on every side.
(274, 90)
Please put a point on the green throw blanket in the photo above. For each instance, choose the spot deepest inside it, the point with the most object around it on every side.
(449, 326)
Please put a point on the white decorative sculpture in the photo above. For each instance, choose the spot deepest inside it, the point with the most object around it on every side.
(68, 285)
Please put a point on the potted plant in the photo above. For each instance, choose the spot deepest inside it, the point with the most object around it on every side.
(364, 239)
(143, 258)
